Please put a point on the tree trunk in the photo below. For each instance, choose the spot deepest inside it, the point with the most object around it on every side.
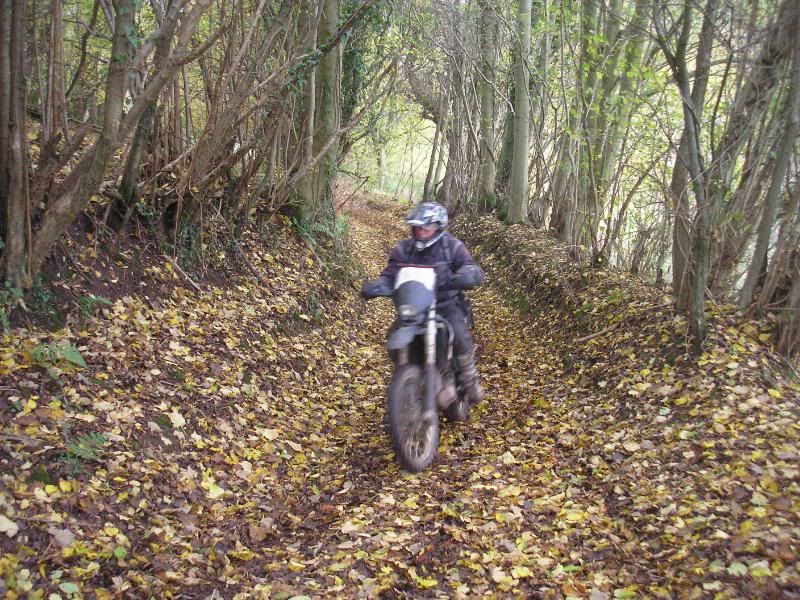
(784, 152)
(587, 200)
(55, 114)
(436, 147)
(565, 206)
(187, 107)
(382, 167)
(788, 240)
(681, 252)
(17, 271)
(701, 232)
(486, 82)
(326, 121)
(518, 205)
(752, 99)
(789, 321)
(503, 175)
(5, 107)
(122, 207)
(539, 102)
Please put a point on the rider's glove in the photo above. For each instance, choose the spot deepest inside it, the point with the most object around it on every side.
(374, 289)
(466, 278)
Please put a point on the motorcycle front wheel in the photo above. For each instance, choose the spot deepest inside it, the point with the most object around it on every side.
(415, 436)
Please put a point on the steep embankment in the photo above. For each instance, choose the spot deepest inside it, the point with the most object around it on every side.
(243, 448)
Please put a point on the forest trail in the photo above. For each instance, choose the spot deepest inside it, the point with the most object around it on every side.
(460, 528)
(245, 456)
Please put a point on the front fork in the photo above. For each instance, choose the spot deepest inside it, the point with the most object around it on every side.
(430, 363)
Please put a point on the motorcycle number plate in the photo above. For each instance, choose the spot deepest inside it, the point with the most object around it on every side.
(424, 275)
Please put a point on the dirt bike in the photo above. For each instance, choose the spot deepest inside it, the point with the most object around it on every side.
(421, 346)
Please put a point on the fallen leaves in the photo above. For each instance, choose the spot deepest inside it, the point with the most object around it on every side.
(244, 450)
(7, 526)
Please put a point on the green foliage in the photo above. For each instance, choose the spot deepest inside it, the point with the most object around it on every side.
(88, 304)
(297, 74)
(189, 244)
(329, 239)
(80, 449)
(359, 56)
(39, 473)
(406, 139)
(9, 297)
(145, 210)
(56, 358)
(44, 305)
(617, 296)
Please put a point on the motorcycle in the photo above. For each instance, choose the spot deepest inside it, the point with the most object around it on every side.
(420, 344)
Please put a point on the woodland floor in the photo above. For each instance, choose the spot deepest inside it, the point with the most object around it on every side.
(243, 454)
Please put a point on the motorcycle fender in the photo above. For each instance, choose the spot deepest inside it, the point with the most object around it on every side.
(401, 337)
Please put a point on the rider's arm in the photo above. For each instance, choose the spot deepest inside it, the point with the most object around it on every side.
(466, 272)
(383, 285)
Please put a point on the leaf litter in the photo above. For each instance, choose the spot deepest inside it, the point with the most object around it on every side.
(231, 443)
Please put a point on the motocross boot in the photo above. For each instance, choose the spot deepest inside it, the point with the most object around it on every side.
(468, 377)
(447, 392)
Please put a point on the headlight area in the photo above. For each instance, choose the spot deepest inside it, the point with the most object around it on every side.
(407, 311)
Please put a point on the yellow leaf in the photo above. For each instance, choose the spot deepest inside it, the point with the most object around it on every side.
(244, 554)
(270, 434)
(50, 489)
(214, 491)
(774, 393)
(65, 486)
(760, 569)
(295, 566)
(521, 572)
(575, 516)
(631, 446)
(511, 490)
(177, 419)
(350, 526)
(410, 503)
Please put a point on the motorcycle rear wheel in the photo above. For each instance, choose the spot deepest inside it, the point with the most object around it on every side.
(415, 437)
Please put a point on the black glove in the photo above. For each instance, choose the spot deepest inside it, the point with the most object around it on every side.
(466, 278)
(374, 289)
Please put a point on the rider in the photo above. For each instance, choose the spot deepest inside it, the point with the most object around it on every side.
(431, 244)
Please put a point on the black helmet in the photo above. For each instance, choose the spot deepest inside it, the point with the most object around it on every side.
(428, 214)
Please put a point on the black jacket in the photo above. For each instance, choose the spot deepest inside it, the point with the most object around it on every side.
(455, 268)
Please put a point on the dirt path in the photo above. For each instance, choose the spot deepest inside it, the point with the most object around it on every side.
(467, 525)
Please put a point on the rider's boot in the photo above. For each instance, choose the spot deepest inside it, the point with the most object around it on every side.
(447, 393)
(468, 375)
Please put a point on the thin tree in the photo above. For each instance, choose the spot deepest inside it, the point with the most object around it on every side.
(488, 26)
(518, 204)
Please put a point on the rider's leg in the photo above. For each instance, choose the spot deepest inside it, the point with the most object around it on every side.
(465, 353)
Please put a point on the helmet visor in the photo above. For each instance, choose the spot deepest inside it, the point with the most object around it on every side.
(425, 232)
